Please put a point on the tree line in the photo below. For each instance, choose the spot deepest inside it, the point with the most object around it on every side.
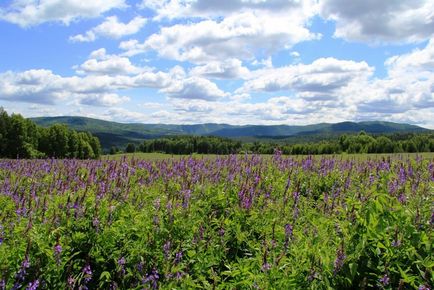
(355, 143)
(22, 138)
(185, 145)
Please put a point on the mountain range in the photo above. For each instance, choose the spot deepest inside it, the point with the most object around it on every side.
(119, 134)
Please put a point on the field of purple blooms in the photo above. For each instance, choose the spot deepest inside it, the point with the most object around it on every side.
(232, 222)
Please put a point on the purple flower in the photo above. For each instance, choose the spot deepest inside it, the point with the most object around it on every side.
(178, 257)
(396, 243)
(87, 271)
(121, 261)
(423, 287)
(402, 198)
(339, 261)
(57, 249)
(152, 278)
(288, 231)
(33, 285)
(166, 249)
(71, 281)
(2, 285)
(266, 267)
(385, 280)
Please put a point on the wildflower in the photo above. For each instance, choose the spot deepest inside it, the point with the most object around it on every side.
(385, 280)
(178, 257)
(2, 285)
(57, 249)
(71, 281)
(121, 263)
(166, 249)
(87, 271)
(152, 278)
(266, 267)
(423, 287)
(396, 243)
(33, 285)
(402, 198)
(339, 261)
(288, 230)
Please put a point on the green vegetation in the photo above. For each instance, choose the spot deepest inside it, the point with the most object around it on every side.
(351, 144)
(22, 138)
(112, 134)
(229, 222)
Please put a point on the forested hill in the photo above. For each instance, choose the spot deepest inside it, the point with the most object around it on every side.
(22, 138)
(119, 134)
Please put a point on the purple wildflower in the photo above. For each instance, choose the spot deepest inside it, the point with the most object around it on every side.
(87, 271)
(266, 267)
(385, 280)
(339, 261)
(71, 281)
(33, 285)
(396, 243)
(57, 249)
(152, 278)
(121, 263)
(2, 285)
(288, 231)
(423, 287)
(402, 198)
(178, 257)
(166, 249)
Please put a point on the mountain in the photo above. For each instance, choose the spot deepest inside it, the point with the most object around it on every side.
(119, 134)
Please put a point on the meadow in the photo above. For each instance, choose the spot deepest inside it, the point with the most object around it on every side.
(218, 222)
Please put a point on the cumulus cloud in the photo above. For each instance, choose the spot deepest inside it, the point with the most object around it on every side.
(100, 62)
(194, 88)
(227, 69)
(111, 28)
(381, 21)
(417, 61)
(211, 8)
(241, 36)
(27, 13)
(45, 87)
(323, 77)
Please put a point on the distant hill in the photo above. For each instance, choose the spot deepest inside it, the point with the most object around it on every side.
(119, 134)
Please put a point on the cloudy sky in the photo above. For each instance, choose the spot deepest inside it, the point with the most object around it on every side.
(220, 61)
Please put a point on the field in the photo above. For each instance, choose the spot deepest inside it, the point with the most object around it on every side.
(218, 222)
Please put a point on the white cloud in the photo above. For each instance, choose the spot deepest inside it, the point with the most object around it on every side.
(194, 88)
(111, 28)
(417, 61)
(322, 79)
(381, 21)
(45, 87)
(101, 63)
(171, 9)
(27, 13)
(241, 36)
(104, 100)
(227, 69)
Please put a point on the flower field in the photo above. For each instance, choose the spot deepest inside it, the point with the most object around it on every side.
(233, 222)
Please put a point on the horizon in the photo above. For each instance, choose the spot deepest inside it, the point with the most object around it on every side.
(228, 124)
(184, 62)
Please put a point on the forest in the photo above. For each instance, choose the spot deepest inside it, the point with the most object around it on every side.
(355, 143)
(22, 138)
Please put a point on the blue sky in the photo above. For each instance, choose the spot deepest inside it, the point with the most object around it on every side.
(227, 61)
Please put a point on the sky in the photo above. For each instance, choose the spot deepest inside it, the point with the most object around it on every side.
(288, 62)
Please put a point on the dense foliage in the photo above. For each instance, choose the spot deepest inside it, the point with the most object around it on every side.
(235, 222)
(22, 138)
(356, 143)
